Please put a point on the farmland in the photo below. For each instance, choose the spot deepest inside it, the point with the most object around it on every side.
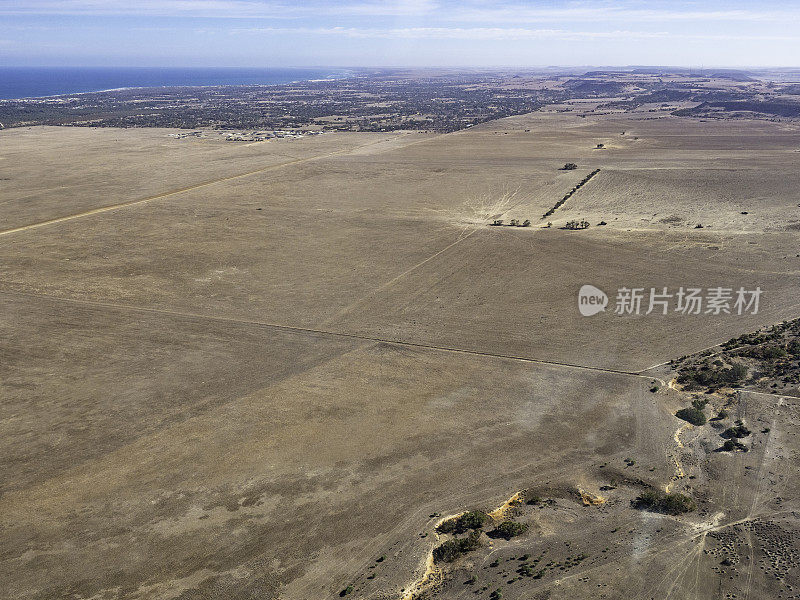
(271, 369)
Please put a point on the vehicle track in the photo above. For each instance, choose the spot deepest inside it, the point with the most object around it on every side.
(189, 188)
(340, 334)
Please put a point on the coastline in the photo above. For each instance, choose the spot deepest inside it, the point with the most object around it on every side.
(343, 74)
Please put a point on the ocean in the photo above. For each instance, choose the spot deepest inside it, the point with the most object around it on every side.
(30, 82)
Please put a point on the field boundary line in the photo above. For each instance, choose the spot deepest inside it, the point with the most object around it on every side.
(189, 188)
(340, 334)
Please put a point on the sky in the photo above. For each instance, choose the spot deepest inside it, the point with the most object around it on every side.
(370, 33)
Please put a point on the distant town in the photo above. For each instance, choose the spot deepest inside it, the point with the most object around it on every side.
(421, 100)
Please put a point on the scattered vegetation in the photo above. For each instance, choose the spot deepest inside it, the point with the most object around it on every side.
(512, 223)
(661, 502)
(575, 224)
(569, 167)
(712, 376)
(461, 524)
(737, 431)
(734, 445)
(452, 549)
(508, 529)
(768, 359)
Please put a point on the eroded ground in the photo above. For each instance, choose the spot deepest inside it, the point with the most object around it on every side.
(260, 368)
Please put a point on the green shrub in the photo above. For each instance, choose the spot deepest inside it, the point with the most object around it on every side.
(346, 591)
(716, 377)
(463, 523)
(508, 530)
(737, 431)
(733, 445)
(452, 549)
(670, 504)
(692, 415)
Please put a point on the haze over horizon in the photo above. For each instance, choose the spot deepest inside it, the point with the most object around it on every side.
(414, 33)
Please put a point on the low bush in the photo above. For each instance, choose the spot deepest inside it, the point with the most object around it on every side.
(736, 432)
(733, 445)
(463, 523)
(715, 377)
(508, 530)
(452, 549)
(692, 415)
(660, 502)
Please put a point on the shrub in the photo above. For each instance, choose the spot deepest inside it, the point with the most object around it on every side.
(526, 570)
(692, 415)
(737, 431)
(716, 377)
(582, 224)
(508, 530)
(670, 504)
(569, 167)
(346, 591)
(463, 523)
(733, 445)
(676, 504)
(452, 549)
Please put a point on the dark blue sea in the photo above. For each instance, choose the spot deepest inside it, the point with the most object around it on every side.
(29, 82)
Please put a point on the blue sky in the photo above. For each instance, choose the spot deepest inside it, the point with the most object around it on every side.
(272, 33)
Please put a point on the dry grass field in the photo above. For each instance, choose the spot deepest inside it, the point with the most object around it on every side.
(269, 370)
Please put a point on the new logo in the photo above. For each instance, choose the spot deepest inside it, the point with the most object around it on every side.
(591, 300)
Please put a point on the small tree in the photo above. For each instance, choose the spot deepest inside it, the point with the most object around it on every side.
(692, 415)
(508, 530)
(569, 167)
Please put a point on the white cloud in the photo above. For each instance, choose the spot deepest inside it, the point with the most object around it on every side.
(617, 12)
(200, 8)
(472, 33)
(499, 33)
(487, 13)
(390, 8)
(218, 8)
